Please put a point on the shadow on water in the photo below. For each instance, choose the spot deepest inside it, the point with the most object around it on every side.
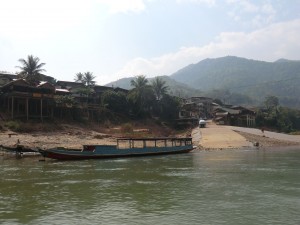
(216, 187)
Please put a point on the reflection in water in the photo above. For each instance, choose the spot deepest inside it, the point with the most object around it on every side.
(207, 187)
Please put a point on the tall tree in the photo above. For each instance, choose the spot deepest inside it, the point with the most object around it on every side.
(31, 69)
(271, 102)
(86, 78)
(159, 87)
(139, 83)
(141, 95)
(79, 77)
(115, 101)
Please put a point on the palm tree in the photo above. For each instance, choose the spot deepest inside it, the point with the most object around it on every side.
(31, 69)
(86, 78)
(142, 93)
(159, 87)
(78, 77)
(139, 82)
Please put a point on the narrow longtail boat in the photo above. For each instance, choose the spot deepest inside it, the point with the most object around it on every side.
(125, 147)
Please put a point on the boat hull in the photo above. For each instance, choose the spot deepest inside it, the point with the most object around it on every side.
(109, 152)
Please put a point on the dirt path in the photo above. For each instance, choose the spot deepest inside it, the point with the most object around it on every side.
(218, 137)
(268, 134)
(228, 137)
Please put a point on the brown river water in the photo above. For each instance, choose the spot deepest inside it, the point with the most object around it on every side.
(202, 187)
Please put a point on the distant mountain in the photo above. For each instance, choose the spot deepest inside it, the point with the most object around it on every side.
(175, 88)
(121, 83)
(286, 60)
(256, 79)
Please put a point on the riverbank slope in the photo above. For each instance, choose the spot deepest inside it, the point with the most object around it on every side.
(229, 137)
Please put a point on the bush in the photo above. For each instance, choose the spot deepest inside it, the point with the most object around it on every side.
(127, 128)
(12, 125)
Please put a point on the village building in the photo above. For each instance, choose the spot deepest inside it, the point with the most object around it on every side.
(234, 116)
(193, 109)
(196, 107)
(19, 99)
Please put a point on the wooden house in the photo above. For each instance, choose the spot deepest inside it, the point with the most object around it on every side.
(69, 85)
(19, 99)
(234, 116)
(196, 107)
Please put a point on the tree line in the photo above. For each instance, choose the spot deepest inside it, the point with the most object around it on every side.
(275, 117)
(143, 100)
(147, 99)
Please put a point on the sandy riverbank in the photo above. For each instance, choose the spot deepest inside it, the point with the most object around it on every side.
(73, 138)
(212, 137)
(227, 137)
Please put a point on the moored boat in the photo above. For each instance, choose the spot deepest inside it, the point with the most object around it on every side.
(125, 147)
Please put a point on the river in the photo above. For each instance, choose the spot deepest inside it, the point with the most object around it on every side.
(202, 187)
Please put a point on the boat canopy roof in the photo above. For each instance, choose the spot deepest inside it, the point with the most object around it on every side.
(156, 139)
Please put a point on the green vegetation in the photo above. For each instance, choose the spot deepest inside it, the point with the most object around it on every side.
(127, 128)
(144, 100)
(31, 69)
(141, 97)
(278, 118)
(175, 88)
(159, 88)
(115, 101)
(12, 125)
(86, 78)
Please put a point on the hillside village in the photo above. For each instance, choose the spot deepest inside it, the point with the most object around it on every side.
(56, 99)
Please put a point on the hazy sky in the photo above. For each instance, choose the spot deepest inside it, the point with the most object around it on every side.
(124, 38)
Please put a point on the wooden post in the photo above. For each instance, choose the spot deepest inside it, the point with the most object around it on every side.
(27, 108)
(12, 107)
(52, 111)
(42, 109)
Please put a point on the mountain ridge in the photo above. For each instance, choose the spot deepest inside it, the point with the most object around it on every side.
(256, 79)
(245, 81)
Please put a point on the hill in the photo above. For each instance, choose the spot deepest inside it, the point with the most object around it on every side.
(175, 88)
(256, 79)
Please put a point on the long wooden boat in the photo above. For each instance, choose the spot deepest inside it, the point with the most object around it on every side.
(125, 147)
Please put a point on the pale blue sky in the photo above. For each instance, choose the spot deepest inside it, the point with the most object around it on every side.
(124, 38)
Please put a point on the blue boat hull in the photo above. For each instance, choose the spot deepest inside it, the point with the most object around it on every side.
(106, 151)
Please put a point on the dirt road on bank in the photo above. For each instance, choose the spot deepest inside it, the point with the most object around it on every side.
(229, 137)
